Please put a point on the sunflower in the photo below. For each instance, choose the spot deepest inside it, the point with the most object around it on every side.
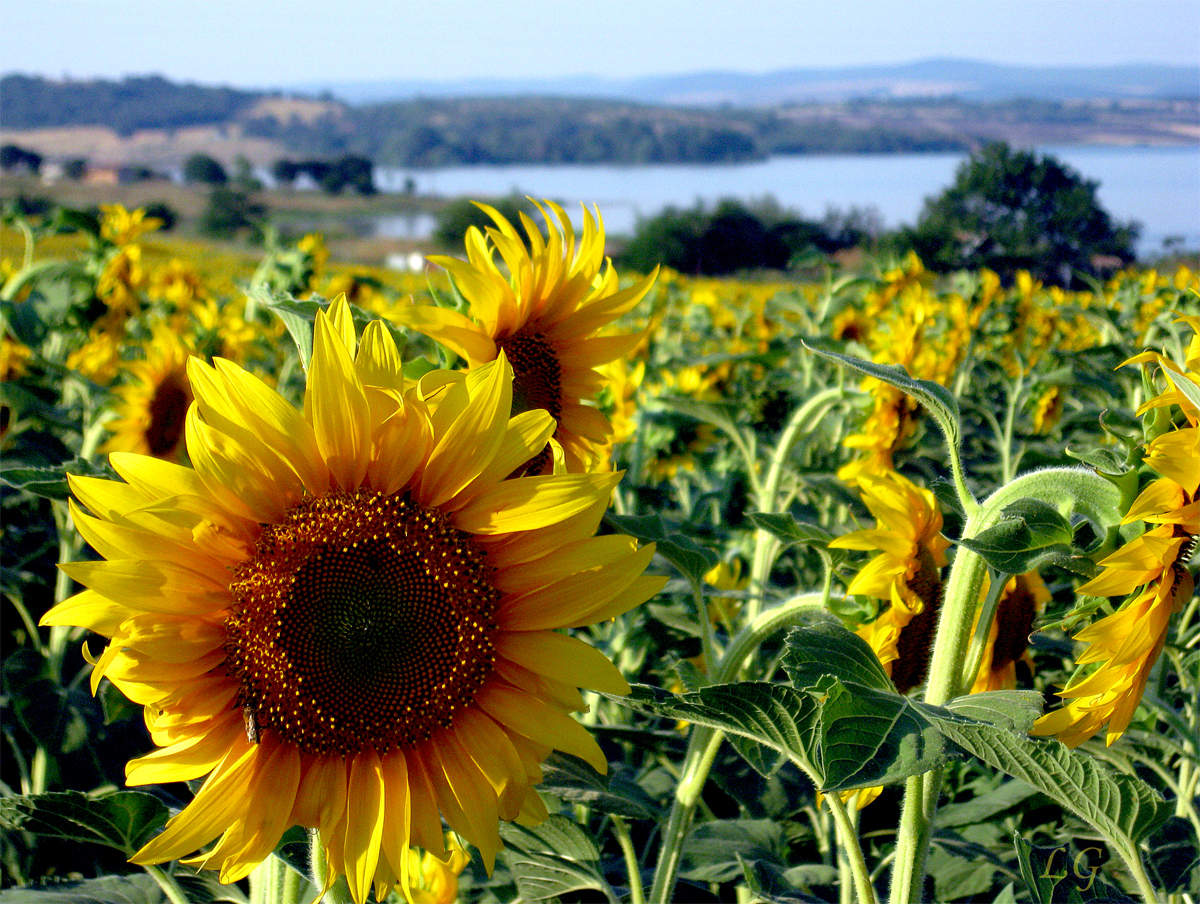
(1023, 598)
(1151, 571)
(546, 315)
(906, 573)
(346, 617)
(152, 406)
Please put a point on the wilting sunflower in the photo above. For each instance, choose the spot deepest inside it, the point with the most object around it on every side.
(546, 314)
(905, 574)
(1023, 598)
(152, 404)
(346, 617)
(1151, 571)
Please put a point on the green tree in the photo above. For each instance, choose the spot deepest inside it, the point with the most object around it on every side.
(1013, 210)
(232, 211)
(457, 217)
(204, 169)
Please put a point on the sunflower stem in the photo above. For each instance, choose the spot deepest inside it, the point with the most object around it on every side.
(704, 742)
(802, 422)
(1091, 496)
(637, 894)
(167, 883)
(851, 850)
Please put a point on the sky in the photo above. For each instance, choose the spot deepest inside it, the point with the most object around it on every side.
(276, 44)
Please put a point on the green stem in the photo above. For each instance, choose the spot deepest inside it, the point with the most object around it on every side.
(802, 421)
(850, 848)
(1091, 496)
(705, 742)
(1133, 862)
(637, 894)
(167, 883)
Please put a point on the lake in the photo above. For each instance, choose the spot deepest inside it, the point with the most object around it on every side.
(1156, 186)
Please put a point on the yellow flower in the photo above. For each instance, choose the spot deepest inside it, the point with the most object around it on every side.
(1150, 570)
(1047, 409)
(119, 284)
(435, 879)
(346, 617)
(1023, 598)
(546, 315)
(905, 574)
(177, 284)
(121, 226)
(152, 406)
(99, 358)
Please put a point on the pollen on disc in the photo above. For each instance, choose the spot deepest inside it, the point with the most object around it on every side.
(362, 621)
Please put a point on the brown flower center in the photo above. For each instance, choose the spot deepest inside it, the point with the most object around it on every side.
(362, 621)
(168, 414)
(537, 373)
(1014, 622)
(915, 643)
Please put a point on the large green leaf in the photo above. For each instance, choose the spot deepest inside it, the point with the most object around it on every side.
(1122, 807)
(1057, 875)
(692, 559)
(1028, 531)
(935, 398)
(124, 820)
(716, 850)
(872, 737)
(570, 778)
(827, 648)
(552, 859)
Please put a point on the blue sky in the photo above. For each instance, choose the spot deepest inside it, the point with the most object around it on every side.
(306, 41)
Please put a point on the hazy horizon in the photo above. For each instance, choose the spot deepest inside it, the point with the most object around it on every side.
(254, 46)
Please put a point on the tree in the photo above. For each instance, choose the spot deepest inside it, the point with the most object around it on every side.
(204, 169)
(12, 156)
(1017, 210)
(231, 211)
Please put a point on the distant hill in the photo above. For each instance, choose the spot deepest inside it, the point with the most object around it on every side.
(152, 121)
(965, 79)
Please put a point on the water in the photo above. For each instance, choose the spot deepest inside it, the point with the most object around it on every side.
(1156, 186)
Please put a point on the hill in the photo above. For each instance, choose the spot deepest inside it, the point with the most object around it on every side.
(152, 121)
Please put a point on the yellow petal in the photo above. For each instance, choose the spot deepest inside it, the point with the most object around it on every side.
(562, 658)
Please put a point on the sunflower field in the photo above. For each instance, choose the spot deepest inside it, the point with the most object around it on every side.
(520, 579)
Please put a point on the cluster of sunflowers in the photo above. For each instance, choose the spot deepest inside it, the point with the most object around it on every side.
(336, 575)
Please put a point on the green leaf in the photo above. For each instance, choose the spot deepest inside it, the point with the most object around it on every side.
(771, 884)
(985, 807)
(1122, 807)
(1174, 860)
(1015, 710)
(691, 559)
(553, 859)
(1105, 461)
(135, 889)
(124, 820)
(50, 482)
(1056, 875)
(827, 648)
(935, 398)
(570, 778)
(870, 737)
(789, 531)
(714, 851)
(1028, 530)
(299, 317)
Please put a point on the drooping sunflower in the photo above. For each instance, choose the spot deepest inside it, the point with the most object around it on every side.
(152, 404)
(906, 574)
(1151, 571)
(546, 314)
(348, 617)
(1023, 598)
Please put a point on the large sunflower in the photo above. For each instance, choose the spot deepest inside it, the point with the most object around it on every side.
(152, 404)
(906, 573)
(1151, 571)
(347, 617)
(545, 314)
